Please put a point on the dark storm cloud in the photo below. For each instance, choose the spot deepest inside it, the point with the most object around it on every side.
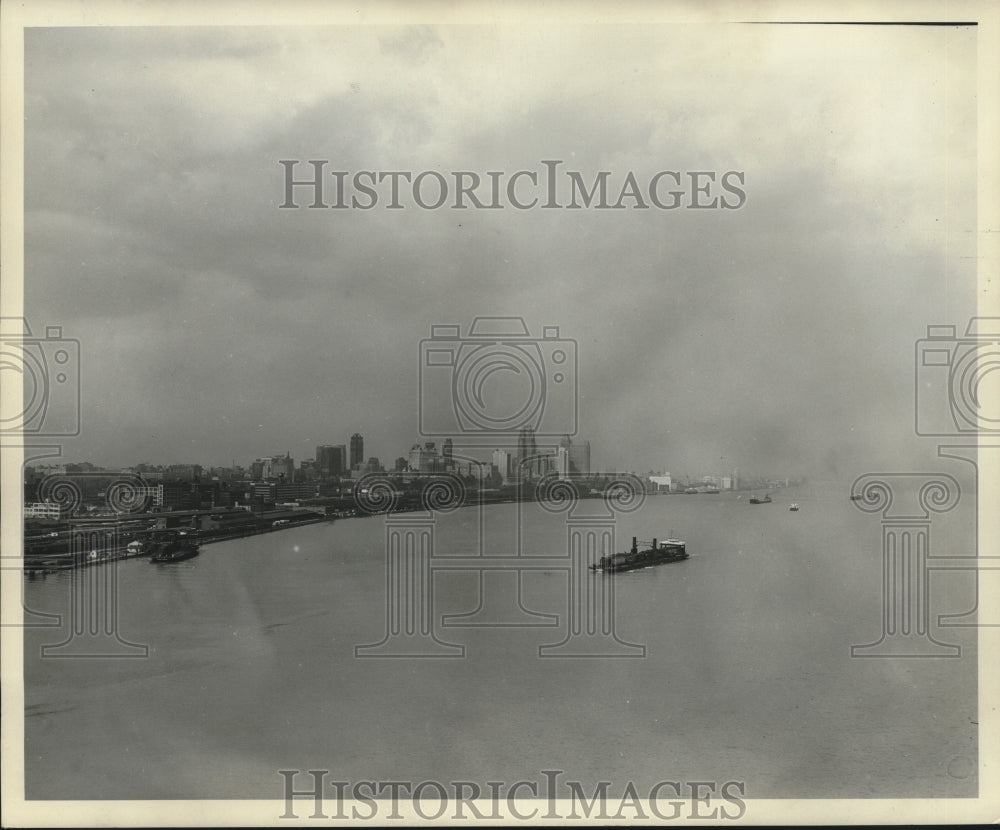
(777, 337)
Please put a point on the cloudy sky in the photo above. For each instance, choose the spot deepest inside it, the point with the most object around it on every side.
(777, 337)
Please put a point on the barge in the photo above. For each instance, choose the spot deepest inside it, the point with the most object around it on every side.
(658, 553)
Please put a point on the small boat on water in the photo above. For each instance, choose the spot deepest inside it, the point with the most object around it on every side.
(174, 548)
(765, 500)
(658, 553)
(794, 507)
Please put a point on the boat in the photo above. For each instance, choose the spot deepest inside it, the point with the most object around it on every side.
(658, 553)
(794, 506)
(765, 500)
(135, 548)
(174, 548)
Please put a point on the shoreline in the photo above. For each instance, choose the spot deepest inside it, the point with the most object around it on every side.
(50, 562)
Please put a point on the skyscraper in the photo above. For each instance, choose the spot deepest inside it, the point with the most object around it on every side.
(527, 453)
(324, 460)
(339, 459)
(357, 450)
(331, 460)
(562, 462)
(501, 460)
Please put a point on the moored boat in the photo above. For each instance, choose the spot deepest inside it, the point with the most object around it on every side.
(174, 548)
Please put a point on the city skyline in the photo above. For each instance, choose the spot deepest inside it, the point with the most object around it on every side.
(577, 460)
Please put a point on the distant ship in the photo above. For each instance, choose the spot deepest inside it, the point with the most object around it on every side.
(175, 548)
(765, 500)
(658, 553)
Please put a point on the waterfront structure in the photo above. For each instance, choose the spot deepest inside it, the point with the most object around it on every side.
(42, 510)
(661, 482)
(291, 492)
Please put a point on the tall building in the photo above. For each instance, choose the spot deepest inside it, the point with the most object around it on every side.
(502, 462)
(528, 462)
(357, 450)
(331, 460)
(579, 458)
(279, 467)
(424, 458)
(339, 459)
(562, 462)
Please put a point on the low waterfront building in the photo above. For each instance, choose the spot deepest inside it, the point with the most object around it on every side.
(42, 510)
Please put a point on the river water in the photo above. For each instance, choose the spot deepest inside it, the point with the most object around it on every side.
(745, 671)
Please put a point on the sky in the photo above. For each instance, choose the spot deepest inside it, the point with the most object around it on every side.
(777, 337)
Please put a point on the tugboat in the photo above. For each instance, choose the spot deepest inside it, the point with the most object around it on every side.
(794, 507)
(174, 547)
(658, 553)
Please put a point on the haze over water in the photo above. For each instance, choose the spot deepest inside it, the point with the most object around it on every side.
(747, 673)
